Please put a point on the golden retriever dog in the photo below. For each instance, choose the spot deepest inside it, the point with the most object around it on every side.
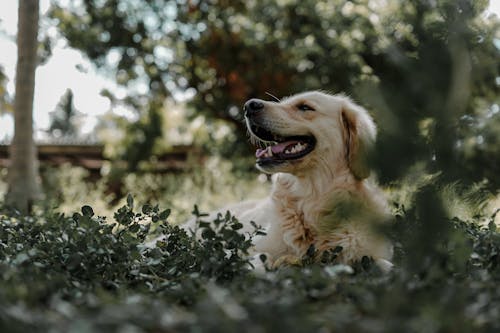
(315, 145)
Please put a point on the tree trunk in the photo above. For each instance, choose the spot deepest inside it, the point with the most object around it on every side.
(23, 169)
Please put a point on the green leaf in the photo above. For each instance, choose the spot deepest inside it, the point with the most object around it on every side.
(146, 209)
(74, 261)
(87, 211)
(134, 228)
(492, 226)
(207, 234)
(165, 214)
(237, 226)
(130, 201)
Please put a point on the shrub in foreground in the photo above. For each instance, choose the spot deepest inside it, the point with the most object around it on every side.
(83, 273)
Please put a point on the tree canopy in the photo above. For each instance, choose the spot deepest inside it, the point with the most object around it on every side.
(427, 69)
(62, 122)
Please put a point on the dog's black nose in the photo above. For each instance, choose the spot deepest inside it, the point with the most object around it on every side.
(253, 106)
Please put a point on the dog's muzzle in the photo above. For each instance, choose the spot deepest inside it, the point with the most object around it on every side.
(274, 148)
(253, 107)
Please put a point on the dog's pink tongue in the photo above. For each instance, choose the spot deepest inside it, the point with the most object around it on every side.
(276, 149)
(280, 147)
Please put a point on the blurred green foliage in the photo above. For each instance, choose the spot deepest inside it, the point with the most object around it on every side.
(62, 119)
(428, 69)
(5, 100)
(209, 187)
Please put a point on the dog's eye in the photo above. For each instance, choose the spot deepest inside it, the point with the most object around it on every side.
(304, 107)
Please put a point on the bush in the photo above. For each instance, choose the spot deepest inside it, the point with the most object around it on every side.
(82, 273)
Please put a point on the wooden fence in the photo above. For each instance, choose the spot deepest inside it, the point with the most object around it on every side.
(91, 157)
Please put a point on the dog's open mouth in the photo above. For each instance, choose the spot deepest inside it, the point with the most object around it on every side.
(279, 149)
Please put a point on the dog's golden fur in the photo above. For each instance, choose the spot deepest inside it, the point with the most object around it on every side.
(326, 198)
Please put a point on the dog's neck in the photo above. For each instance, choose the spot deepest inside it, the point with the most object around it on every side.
(307, 195)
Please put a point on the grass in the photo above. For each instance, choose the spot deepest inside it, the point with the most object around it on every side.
(67, 188)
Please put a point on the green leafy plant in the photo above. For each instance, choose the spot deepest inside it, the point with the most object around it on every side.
(81, 272)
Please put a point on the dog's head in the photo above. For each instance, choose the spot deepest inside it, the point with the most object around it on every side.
(310, 130)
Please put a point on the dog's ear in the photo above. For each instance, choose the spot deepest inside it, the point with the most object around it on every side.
(359, 137)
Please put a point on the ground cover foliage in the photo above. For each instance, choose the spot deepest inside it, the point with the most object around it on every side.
(82, 273)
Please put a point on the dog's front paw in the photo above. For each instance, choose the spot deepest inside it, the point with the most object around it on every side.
(287, 260)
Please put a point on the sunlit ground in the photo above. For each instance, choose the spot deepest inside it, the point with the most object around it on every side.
(211, 187)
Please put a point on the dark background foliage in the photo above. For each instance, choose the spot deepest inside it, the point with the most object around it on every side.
(427, 69)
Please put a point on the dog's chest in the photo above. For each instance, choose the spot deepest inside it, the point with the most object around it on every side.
(298, 222)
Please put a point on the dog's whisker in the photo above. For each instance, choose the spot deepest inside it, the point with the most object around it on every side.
(276, 98)
(254, 140)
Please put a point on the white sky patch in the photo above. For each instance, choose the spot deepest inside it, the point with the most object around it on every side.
(123, 111)
(494, 7)
(54, 78)
(60, 74)
(6, 123)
